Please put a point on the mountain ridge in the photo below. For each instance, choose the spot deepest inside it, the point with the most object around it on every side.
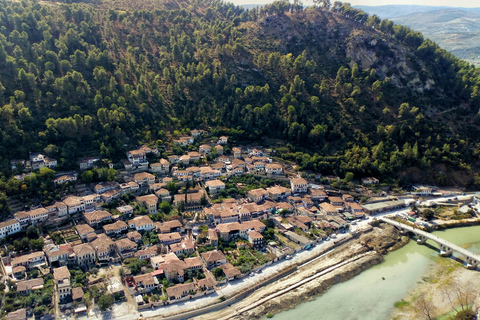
(394, 11)
(455, 29)
(339, 90)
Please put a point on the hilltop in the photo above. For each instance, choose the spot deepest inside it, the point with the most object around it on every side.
(336, 90)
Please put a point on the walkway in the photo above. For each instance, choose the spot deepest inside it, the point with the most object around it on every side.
(298, 284)
(446, 247)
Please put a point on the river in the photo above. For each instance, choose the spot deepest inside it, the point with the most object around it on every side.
(373, 293)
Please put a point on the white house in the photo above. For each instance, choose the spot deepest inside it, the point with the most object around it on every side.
(215, 186)
(223, 140)
(274, 168)
(299, 185)
(9, 227)
(141, 223)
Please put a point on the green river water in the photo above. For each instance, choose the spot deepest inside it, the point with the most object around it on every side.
(373, 293)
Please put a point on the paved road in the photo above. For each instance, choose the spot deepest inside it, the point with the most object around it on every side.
(296, 285)
(241, 284)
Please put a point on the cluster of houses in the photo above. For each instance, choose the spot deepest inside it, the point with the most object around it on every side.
(36, 161)
(106, 238)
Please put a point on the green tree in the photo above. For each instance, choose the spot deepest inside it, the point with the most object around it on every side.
(428, 214)
(217, 272)
(165, 207)
(105, 302)
(32, 232)
(349, 176)
(112, 174)
(172, 187)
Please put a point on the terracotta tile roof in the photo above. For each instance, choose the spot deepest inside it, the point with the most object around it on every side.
(327, 207)
(19, 269)
(164, 258)
(29, 284)
(83, 249)
(318, 193)
(77, 293)
(255, 235)
(72, 201)
(55, 252)
(214, 183)
(207, 282)
(278, 189)
(212, 234)
(126, 244)
(7, 223)
(149, 199)
(171, 224)
(142, 176)
(296, 181)
(193, 262)
(258, 192)
(229, 270)
(304, 219)
(102, 243)
(213, 256)
(335, 199)
(177, 290)
(97, 215)
(146, 279)
(284, 205)
(20, 314)
(134, 235)
(26, 257)
(184, 245)
(253, 224)
(174, 266)
(118, 225)
(148, 251)
(169, 236)
(141, 221)
(273, 166)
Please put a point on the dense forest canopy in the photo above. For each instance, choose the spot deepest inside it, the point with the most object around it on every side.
(336, 89)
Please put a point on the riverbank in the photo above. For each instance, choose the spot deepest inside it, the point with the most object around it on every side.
(447, 286)
(364, 252)
(443, 225)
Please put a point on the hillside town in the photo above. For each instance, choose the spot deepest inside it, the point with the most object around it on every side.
(172, 229)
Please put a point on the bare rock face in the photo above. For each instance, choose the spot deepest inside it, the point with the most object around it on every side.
(383, 239)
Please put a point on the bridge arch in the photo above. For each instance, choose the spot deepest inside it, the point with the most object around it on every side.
(446, 248)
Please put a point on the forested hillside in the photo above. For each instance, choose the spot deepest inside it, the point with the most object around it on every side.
(335, 89)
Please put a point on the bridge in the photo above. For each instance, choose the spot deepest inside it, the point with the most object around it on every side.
(446, 247)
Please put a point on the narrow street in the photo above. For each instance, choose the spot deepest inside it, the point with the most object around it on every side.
(127, 310)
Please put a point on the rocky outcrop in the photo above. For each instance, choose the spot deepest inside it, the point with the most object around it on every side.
(383, 239)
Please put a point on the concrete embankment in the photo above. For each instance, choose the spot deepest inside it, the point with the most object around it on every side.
(316, 277)
(309, 287)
